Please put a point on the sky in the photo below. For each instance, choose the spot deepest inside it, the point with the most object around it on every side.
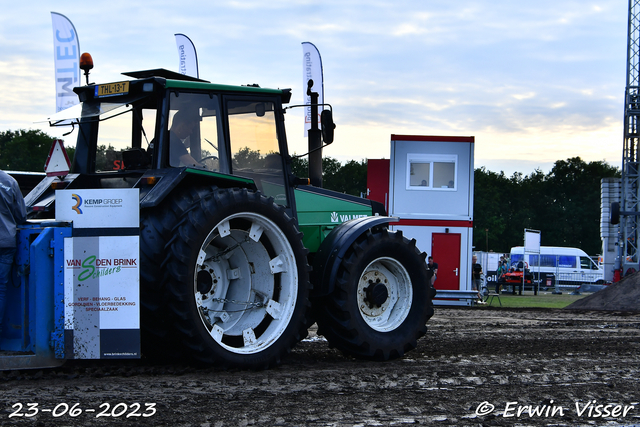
(532, 82)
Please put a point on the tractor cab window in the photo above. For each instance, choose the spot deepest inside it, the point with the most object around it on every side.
(195, 132)
(115, 132)
(255, 151)
(124, 134)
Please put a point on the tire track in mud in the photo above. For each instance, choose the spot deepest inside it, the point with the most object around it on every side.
(469, 356)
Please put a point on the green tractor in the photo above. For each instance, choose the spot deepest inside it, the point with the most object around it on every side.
(238, 257)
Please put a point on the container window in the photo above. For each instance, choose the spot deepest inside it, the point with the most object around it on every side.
(431, 172)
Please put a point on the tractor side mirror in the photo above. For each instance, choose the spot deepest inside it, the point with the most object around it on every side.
(326, 121)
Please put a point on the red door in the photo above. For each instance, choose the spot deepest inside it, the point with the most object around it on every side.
(446, 253)
(378, 181)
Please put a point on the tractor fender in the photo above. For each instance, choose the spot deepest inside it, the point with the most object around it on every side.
(333, 248)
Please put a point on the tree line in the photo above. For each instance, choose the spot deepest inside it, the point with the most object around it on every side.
(24, 150)
(564, 204)
(349, 178)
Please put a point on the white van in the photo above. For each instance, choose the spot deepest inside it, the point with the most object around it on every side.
(569, 266)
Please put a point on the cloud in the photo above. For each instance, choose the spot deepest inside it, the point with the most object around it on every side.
(548, 75)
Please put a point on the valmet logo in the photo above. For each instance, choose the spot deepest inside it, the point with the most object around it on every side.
(336, 217)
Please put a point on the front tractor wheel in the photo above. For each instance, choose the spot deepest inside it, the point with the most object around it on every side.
(239, 275)
(384, 294)
(382, 298)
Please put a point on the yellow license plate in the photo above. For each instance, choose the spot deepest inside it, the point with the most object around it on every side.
(112, 89)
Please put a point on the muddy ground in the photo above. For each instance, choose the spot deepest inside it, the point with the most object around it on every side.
(470, 369)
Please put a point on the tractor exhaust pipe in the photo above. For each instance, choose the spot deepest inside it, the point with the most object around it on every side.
(315, 140)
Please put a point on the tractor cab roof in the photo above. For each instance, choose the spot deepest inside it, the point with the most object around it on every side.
(117, 97)
(163, 73)
(172, 80)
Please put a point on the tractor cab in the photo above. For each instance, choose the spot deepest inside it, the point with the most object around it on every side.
(163, 127)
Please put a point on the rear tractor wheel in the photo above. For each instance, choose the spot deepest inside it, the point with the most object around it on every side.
(239, 277)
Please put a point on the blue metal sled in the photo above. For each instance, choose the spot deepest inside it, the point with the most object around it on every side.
(33, 326)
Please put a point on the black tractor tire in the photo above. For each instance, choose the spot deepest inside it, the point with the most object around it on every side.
(238, 280)
(382, 298)
(159, 341)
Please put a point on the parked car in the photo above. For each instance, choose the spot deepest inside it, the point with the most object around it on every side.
(566, 266)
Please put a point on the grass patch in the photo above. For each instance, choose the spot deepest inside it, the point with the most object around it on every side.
(529, 300)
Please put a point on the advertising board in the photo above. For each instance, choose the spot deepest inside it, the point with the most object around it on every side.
(101, 273)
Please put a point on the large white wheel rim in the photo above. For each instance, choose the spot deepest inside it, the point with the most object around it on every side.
(245, 283)
(384, 294)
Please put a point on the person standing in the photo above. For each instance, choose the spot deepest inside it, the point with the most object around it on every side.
(476, 276)
(502, 268)
(12, 213)
(432, 268)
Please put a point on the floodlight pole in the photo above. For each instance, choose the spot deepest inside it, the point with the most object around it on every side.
(628, 243)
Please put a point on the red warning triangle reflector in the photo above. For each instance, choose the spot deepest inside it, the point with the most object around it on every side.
(58, 163)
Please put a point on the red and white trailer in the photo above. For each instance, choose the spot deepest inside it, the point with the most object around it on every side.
(428, 184)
